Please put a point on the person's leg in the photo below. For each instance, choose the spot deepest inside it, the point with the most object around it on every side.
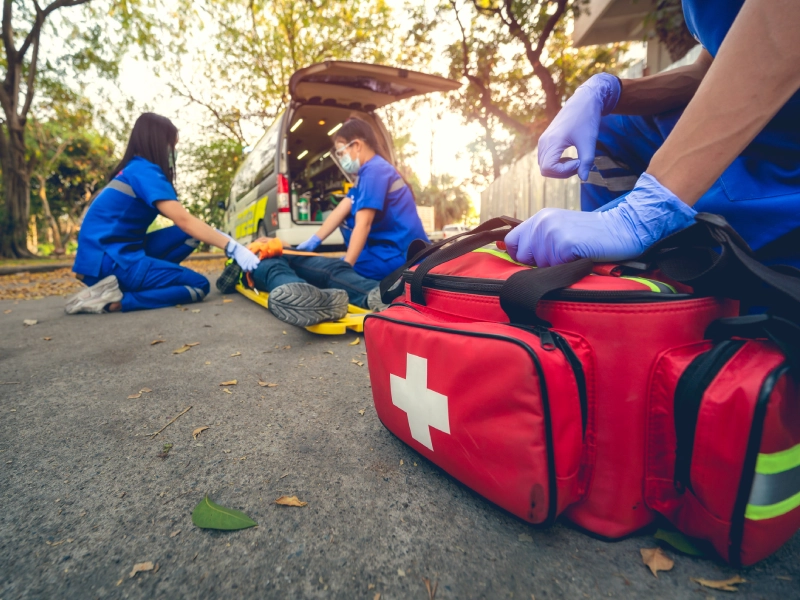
(334, 273)
(157, 283)
(625, 145)
(274, 272)
(170, 244)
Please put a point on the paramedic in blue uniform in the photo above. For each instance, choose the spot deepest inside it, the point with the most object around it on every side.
(378, 221)
(125, 267)
(721, 136)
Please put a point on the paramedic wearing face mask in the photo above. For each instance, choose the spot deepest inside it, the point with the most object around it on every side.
(719, 136)
(378, 220)
(125, 267)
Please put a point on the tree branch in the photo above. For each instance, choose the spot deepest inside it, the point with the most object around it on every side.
(220, 119)
(485, 93)
(8, 33)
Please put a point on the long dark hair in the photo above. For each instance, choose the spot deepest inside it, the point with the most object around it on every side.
(153, 138)
(356, 129)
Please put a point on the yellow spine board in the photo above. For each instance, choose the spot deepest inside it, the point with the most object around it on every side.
(354, 320)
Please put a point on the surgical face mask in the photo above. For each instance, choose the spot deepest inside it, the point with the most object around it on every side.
(350, 165)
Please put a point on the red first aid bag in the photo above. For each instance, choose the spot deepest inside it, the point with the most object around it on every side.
(723, 455)
(532, 386)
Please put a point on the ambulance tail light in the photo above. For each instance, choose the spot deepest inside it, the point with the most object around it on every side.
(283, 194)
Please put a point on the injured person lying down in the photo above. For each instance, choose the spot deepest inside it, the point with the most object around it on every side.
(378, 221)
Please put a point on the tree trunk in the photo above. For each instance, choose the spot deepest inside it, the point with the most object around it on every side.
(59, 247)
(16, 185)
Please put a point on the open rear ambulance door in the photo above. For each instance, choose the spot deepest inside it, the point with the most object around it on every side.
(361, 86)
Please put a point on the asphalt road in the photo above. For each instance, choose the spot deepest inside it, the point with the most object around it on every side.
(85, 493)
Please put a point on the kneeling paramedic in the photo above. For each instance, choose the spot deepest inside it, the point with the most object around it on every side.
(126, 267)
(378, 220)
(721, 136)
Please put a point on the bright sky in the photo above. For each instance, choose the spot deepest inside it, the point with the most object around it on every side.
(450, 135)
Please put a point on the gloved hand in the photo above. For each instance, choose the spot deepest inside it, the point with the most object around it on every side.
(310, 244)
(554, 236)
(577, 124)
(243, 257)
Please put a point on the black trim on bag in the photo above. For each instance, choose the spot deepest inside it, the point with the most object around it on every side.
(749, 466)
(492, 287)
(692, 384)
(551, 465)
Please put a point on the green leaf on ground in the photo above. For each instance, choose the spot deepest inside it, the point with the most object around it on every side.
(208, 515)
(679, 541)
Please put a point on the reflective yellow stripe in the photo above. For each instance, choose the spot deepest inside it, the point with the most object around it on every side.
(758, 513)
(768, 464)
(651, 284)
(501, 254)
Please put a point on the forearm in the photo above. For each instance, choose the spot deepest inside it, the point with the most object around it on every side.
(201, 231)
(753, 75)
(664, 91)
(357, 242)
(334, 219)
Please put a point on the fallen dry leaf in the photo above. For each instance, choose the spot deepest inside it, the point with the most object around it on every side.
(195, 310)
(362, 411)
(154, 342)
(431, 588)
(236, 354)
(227, 391)
(231, 382)
(5, 312)
(656, 560)
(377, 596)
(290, 501)
(28, 322)
(226, 300)
(193, 344)
(182, 349)
(355, 342)
(145, 391)
(287, 347)
(198, 431)
(174, 533)
(728, 585)
(208, 362)
(265, 384)
(357, 362)
(328, 351)
(401, 572)
(142, 566)
(135, 396)
(119, 583)
(284, 333)
(47, 339)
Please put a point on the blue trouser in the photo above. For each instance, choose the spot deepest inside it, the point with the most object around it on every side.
(320, 271)
(757, 194)
(156, 279)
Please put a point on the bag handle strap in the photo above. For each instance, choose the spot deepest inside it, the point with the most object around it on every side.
(782, 332)
(689, 257)
(391, 287)
(521, 293)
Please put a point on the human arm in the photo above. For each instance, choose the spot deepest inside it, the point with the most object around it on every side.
(664, 91)
(358, 239)
(753, 75)
(191, 225)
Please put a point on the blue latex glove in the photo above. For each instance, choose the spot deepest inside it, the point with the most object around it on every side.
(310, 244)
(577, 124)
(554, 236)
(243, 257)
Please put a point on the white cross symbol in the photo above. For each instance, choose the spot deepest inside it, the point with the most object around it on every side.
(425, 408)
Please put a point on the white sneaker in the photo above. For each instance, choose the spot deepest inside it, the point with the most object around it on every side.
(94, 299)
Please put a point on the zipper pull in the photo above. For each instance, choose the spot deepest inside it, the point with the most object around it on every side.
(548, 341)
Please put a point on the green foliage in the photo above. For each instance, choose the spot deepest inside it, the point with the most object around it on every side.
(449, 199)
(210, 169)
(208, 515)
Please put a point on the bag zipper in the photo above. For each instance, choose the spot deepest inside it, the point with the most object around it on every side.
(552, 340)
(551, 465)
(749, 465)
(491, 287)
(688, 397)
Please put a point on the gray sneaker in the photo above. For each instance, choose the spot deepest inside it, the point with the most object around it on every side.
(374, 302)
(303, 304)
(94, 299)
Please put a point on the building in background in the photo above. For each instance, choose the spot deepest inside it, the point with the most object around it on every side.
(521, 190)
